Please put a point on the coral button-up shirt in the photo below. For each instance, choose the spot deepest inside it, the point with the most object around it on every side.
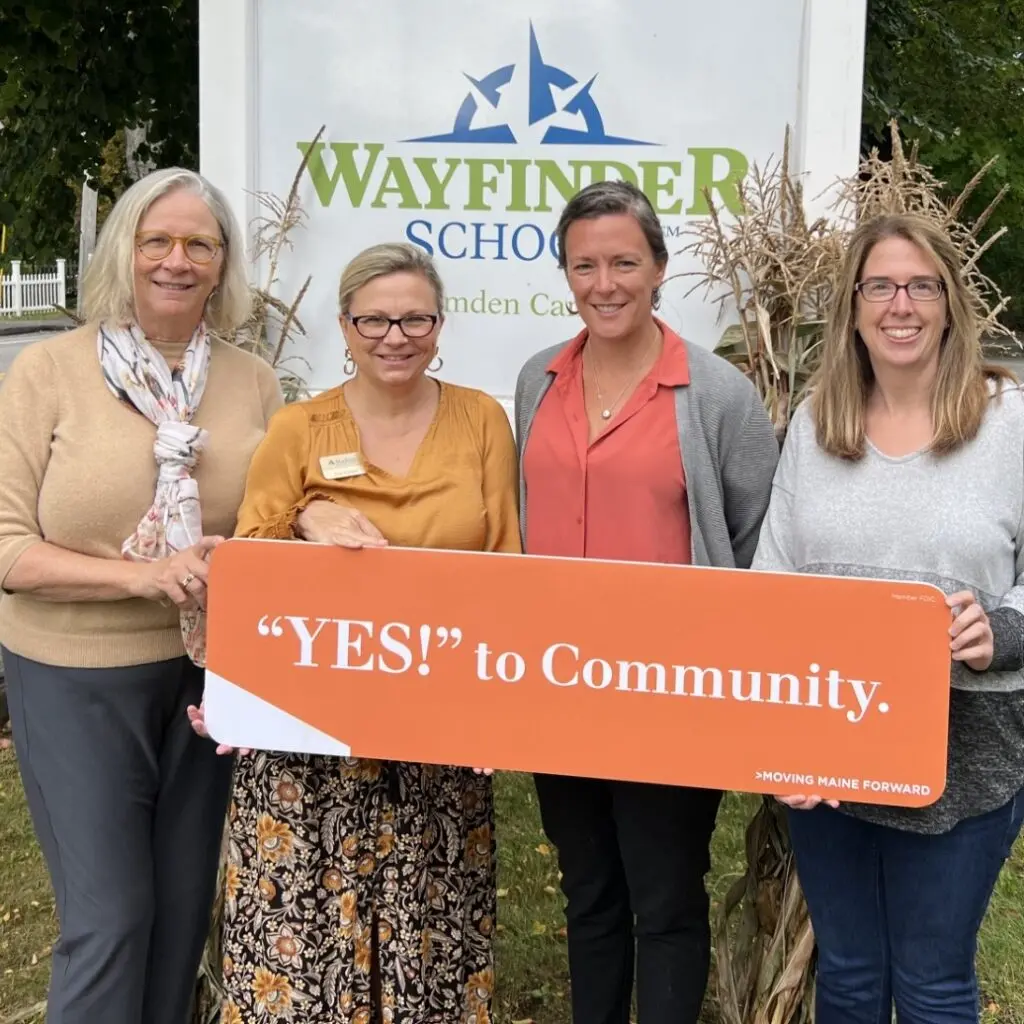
(622, 496)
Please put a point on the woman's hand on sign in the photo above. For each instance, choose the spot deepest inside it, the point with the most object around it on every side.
(805, 803)
(179, 578)
(325, 522)
(197, 719)
(971, 631)
(483, 771)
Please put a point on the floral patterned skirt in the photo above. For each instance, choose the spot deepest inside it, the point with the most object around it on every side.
(358, 891)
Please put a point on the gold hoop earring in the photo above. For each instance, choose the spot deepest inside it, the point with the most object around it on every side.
(349, 366)
(436, 369)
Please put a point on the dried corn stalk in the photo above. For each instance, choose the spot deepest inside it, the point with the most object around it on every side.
(764, 946)
(273, 323)
(771, 272)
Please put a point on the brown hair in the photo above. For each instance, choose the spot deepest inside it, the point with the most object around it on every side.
(609, 197)
(841, 386)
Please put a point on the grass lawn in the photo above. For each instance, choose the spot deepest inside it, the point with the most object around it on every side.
(532, 976)
(29, 318)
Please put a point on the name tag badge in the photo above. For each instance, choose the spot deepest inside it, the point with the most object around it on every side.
(338, 467)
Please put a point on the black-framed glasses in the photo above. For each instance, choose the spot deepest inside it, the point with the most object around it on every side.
(156, 245)
(414, 325)
(881, 289)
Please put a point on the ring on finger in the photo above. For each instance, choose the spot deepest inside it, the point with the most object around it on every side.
(187, 580)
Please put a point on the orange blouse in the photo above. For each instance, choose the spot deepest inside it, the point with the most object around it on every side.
(623, 496)
(461, 491)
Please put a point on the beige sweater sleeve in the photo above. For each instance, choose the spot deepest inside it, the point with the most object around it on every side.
(29, 413)
(270, 391)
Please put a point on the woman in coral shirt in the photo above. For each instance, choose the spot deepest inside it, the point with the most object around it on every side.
(636, 446)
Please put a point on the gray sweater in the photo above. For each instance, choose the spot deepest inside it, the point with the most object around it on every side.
(956, 521)
(727, 443)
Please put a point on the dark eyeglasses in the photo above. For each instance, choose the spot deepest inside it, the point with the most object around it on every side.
(881, 289)
(415, 325)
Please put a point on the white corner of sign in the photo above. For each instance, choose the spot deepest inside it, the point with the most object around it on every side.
(241, 719)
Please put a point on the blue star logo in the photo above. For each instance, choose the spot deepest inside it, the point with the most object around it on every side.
(548, 87)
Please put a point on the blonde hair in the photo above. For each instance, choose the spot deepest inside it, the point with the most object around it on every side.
(108, 287)
(388, 258)
(842, 384)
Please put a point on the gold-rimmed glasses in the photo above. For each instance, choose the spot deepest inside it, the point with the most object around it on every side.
(158, 245)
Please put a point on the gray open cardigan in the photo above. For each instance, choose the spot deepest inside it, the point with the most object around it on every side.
(727, 443)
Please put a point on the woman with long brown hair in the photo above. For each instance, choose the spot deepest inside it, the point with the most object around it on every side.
(907, 462)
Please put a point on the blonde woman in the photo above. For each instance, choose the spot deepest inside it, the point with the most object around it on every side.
(907, 462)
(362, 891)
(124, 446)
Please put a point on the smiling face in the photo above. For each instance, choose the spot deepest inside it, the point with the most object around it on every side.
(612, 274)
(394, 359)
(902, 333)
(171, 293)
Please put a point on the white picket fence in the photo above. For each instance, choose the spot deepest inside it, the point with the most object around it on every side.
(32, 293)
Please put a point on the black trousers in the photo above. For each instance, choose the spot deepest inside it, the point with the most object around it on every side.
(633, 858)
(129, 806)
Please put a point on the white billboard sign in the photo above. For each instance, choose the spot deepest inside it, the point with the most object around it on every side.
(464, 128)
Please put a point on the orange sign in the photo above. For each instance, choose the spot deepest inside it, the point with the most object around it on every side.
(720, 678)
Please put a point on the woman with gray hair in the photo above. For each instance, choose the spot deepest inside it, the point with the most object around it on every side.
(109, 436)
(637, 446)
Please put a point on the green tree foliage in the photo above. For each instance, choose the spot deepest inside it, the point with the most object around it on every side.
(73, 73)
(952, 74)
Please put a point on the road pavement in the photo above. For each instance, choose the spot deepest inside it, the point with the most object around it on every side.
(14, 337)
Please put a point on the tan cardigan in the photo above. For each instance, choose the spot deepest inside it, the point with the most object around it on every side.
(77, 470)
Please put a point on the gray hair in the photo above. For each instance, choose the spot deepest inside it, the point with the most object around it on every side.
(388, 258)
(108, 287)
(608, 197)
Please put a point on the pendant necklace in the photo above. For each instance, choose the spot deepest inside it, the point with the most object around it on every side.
(607, 410)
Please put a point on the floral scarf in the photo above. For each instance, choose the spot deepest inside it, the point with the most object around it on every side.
(138, 375)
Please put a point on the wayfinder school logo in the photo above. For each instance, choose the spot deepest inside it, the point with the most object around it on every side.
(554, 98)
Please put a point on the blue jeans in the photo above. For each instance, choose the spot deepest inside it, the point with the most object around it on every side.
(896, 914)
